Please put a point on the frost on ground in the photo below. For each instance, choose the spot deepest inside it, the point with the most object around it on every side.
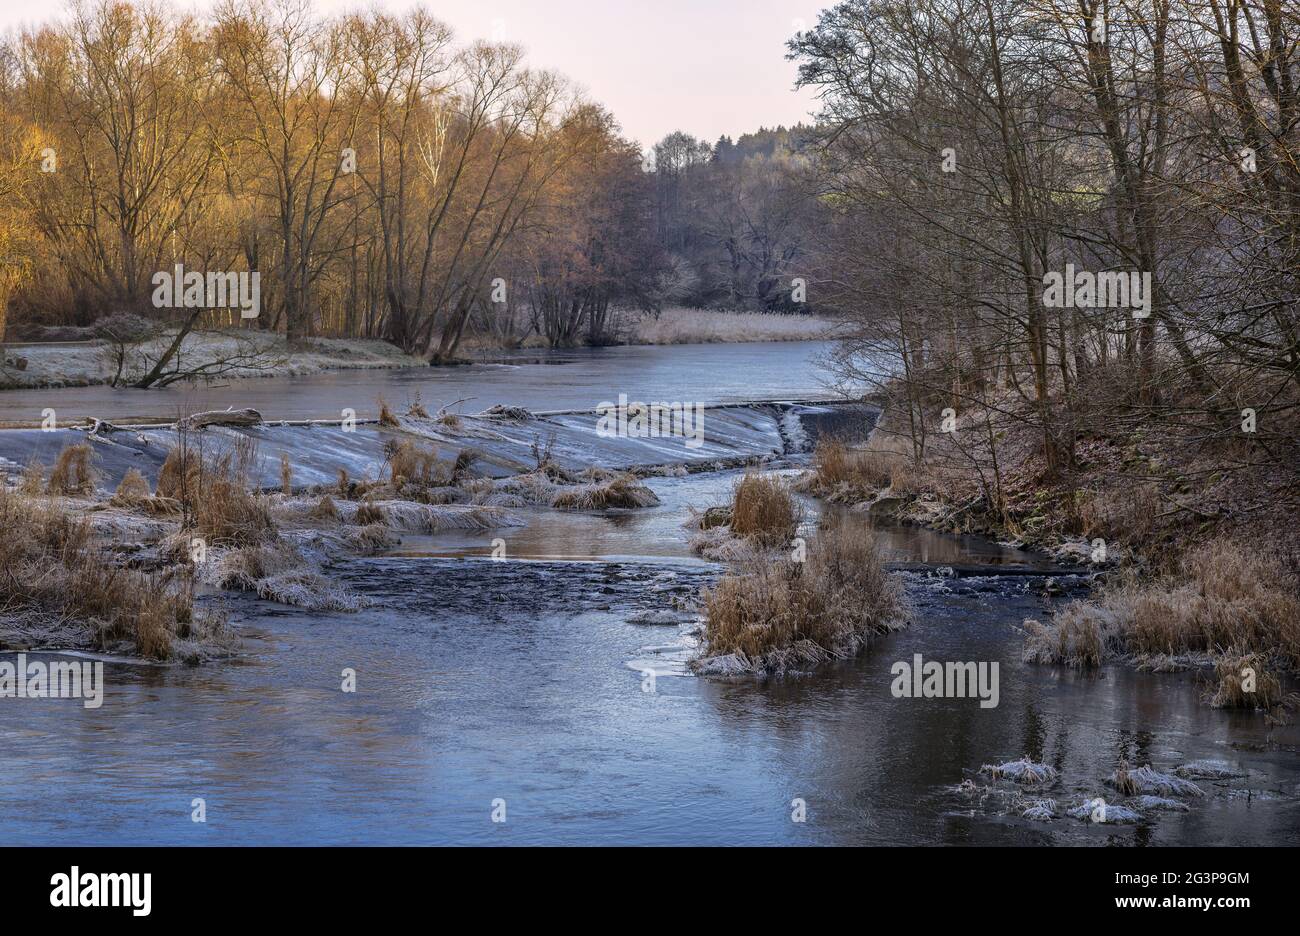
(1021, 771)
(1147, 780)
(1160, 804)
(1208, 770)
(1098, 810)
(223, 353)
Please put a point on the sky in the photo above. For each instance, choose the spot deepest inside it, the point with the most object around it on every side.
(709, 67)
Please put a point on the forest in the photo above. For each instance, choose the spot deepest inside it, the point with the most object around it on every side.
(387, 179)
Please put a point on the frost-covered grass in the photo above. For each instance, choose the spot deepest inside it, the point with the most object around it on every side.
(63, 588)
(84, 364)
(1235, 603)
(1021, 771)
(1147, 780)
(775, 616)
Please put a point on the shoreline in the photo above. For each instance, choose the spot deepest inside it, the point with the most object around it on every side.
(87, 363)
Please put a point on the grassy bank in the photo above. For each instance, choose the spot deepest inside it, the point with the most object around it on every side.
(1196, 546)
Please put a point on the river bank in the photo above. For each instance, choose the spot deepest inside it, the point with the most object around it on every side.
(1186, 583)
(227, 355)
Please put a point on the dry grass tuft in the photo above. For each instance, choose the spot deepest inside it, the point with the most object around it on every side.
(325, 509)
(386, 417)
(1021, 771)
(836, 465)
(369, 513)
(73, 472)
(408, 463)
(1245, 681)
(763, 508)
(416, 409)
(53, 568)
(286, 475)
(1225, 598)
(622, 491)
(779, 615)
(465, 460)
(33, 479)
(214, 493)
(132, 491)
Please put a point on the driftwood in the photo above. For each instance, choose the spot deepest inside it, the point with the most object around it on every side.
(229, 417)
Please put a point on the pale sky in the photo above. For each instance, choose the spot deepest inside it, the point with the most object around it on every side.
(708, 67)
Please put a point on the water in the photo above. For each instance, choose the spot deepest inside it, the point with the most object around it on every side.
(538, 380)
(521, 681)
(481, 680)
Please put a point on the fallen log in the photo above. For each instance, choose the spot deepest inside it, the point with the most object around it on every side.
(240, 418)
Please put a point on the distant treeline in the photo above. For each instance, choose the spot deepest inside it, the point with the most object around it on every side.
(383, 179)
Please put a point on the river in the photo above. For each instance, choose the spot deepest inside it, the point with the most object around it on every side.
(579, 378)
(519, 686)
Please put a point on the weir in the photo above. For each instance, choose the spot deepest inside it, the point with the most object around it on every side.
(319, 450)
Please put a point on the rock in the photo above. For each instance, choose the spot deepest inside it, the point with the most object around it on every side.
(885, 504)
(715, 517)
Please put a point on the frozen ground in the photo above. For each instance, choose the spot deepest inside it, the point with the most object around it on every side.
(80, 364)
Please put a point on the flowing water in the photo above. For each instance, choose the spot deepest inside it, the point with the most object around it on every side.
(523, 681)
